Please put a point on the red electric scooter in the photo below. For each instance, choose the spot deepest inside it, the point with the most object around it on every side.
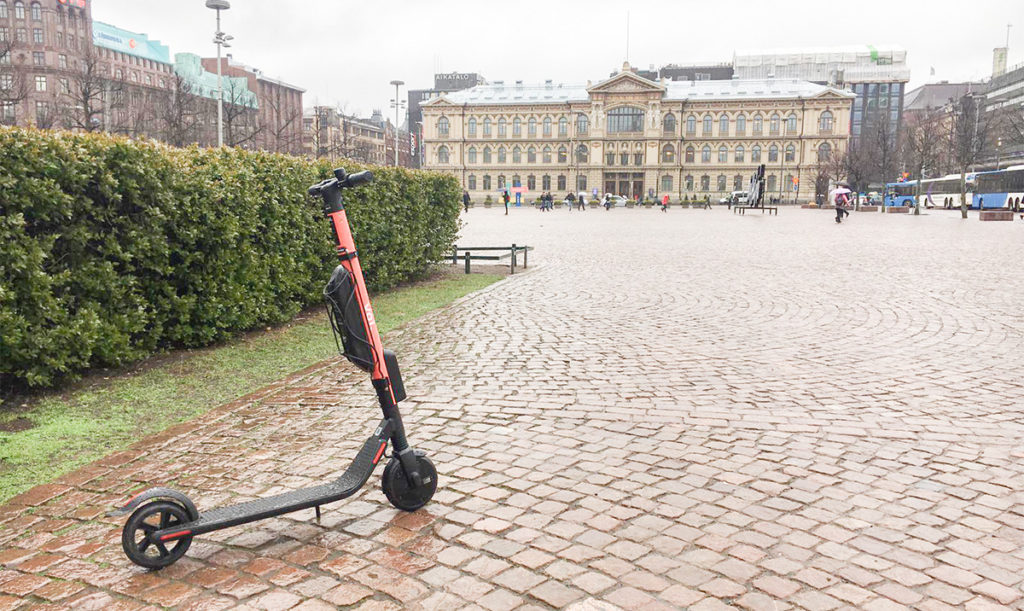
(163, 521)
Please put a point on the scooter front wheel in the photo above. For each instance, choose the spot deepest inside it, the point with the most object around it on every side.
(151, 517)
(403, 494)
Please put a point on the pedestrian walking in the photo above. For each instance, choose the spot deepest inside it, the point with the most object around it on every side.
(506, 198)
(664, 203)
(465, 199)
(841, 197)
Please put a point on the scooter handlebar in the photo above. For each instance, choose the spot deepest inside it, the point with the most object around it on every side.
(359, 178)
(342, 180)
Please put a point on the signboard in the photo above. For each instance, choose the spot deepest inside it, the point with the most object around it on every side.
(73, 3)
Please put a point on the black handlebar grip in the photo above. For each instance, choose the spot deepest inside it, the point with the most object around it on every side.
(359, 178)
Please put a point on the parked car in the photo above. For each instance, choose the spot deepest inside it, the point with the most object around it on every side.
(618, 200)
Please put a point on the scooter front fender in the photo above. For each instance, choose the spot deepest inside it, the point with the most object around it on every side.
(156, 493)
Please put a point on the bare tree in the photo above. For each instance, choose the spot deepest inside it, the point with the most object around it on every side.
(91, 94)
(969, 134)
(923, 146)
(283, 131)
(14, 82)
(241, 119)
(857, 162)
(179, 113)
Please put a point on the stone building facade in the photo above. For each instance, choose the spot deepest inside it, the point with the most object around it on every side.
(635, 137)
(332, 134)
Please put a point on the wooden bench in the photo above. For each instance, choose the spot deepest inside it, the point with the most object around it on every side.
(507, 252)
(743, 209)
(995, 215)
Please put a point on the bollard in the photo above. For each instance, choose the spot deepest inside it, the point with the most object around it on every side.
(513, 258)
(526, 253)
(455, 254)
(467, 261)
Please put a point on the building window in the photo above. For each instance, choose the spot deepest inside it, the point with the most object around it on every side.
(37, 35)
(501, 181)
(3, 9)
(670, 123)
(40, 83)
(545, 183)
(624, 158)
(738, 157)
(60, 39)
(516, 182)
(547, 127)
(517, 127)
(771, 184)
(755, 153)
(625, 119)
(790, 153)
(42, 113)
(689, 154)
(487, 127)
(666, 183)
(7, 112)
(723, 125)
(471, 128)
(741, 125)
(19, 10)
(723, 154)
(737, 183)
(561, 182)
(442, 154)
(471, 155)
(791, 124)
(638, 159)
(705, 154)
(563, 127)
(705, 183)
(442, 127)
(21, 35)
(707, 126)
(502, 128)
(62, 61)
(149, 80)
(581, 183)
(563, 155)
(502, 157)
(531, 155)
(582, 153)
(487, 154)
(789, 182)
(5, 33)
(689, 182)
(825, 122)
(609, 158)
(582, 124)
(487, 182)
(773, 125)
(824, 151)
(36, 11)
(6, 82)
(531, 182)
(691, 125)
(546, 155)
(758, 125)
(5, 58)
(517, 155)
(38, 58)
(722, 185)
(531, 127)
(472, 182)
(773, 153)
(668, 154)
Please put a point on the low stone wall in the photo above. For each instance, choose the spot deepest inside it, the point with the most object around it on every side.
(868, 209)
(996, 215)
(897, 209)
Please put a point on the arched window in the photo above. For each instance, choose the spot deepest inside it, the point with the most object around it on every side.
(741, 125)
(666, 183)
(516, 181)
(545, 182)
(472, 182)
(547, 127)
(487, 182)
(531, 155)
(723, 154)
(471, 155)
(442, 154)
(722, 182)
(581, 182)
(670, 123)
(442, 127)
(738, 157)
(625, 119)
(758, 125)
(487, 154)
(517, 155)
(707, 126)
(691, 125)
(502, 127)
(689, 182)
(582, 125)
(705, 183)
(3, 9)
(825, 122)
(773, 153)
(563, 155)
(689, 154)
(790, 153)
(705, 154)
(531, 127)
(563, 127)
(582, 153)
(737, 183)
(773, 125)
(531, 182)
(789, 183)
(517, 127)
(723, 125)
(36, 11)
(501, 181)
(502, 158)
(19, 10)
(546, 155)
(668, 154)
(824, 151)
(755, 153)
(791, 124)
(561, 182)
(471, 128)
(770, 186)
(487, 127)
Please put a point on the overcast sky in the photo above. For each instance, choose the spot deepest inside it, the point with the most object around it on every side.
(347, 52)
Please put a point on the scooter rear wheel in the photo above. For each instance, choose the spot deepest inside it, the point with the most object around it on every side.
(400, 492)
(148, 519)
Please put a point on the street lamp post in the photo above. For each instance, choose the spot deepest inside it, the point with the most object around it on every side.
(397, 105)
(221, 40)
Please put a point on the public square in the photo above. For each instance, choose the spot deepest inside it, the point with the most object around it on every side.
(690, 409)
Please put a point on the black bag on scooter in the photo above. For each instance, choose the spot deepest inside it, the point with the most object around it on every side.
(347, 320)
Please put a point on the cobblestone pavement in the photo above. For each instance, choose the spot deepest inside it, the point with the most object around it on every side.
(669, 410)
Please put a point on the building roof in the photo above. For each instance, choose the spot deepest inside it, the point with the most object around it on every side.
(260, 75)
(130, 43)
(937, 95)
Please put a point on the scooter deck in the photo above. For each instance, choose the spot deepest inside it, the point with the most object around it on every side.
(345, 486)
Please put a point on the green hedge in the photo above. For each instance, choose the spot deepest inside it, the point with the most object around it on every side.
(111, 249)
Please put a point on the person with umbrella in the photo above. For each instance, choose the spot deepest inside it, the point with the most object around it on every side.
(840, 196)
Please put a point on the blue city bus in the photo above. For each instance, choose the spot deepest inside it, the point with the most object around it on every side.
(999, 189)
(900, 193)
